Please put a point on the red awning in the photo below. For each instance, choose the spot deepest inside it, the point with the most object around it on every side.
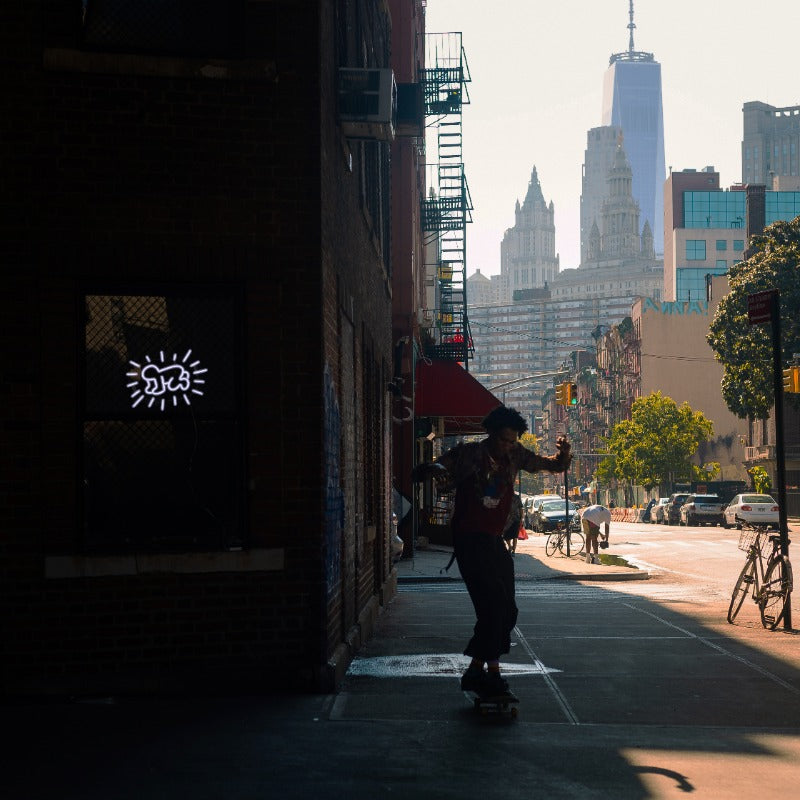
(445, 389)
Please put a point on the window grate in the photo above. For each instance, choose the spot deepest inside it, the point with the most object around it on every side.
(161, 427)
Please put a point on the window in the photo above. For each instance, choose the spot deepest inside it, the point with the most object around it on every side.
(695, 249)
(690, 282)
(721, 263)
(738, 245)
(722, 244)
(162, 466)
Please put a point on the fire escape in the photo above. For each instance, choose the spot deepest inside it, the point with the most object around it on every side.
(446, 211)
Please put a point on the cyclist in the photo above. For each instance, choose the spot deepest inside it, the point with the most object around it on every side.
(484, 473)
(591, 520)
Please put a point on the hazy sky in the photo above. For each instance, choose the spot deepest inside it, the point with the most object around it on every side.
(537, 85)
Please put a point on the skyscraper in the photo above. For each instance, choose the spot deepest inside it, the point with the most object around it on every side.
(528, 258)
(632, 101)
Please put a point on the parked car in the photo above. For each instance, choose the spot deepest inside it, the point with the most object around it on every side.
(657, 512)
(672, 513)
(550, 514)
(702, 509)
(756, 509)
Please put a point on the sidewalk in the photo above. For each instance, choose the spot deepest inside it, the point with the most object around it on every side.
(531, 564)
(624, 695)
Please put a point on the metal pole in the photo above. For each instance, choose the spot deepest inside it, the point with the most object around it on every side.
(566, 508)
(780, 456)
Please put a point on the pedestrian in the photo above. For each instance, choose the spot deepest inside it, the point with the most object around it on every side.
(513, 524)
(484, 474)
(591, 520)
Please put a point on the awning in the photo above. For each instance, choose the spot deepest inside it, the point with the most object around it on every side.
(445, 389)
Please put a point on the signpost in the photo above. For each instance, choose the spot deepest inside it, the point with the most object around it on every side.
(765, 307)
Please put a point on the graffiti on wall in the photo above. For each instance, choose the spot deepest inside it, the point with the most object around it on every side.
(334, 496)
(675, 307)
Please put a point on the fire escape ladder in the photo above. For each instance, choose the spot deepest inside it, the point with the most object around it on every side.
(447, 209)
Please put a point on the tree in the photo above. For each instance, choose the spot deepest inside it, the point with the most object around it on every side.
(746, 350)
(762, 482)
(654, 446)
(530, 483)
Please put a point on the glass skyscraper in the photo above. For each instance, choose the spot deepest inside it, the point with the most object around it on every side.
(632, 101)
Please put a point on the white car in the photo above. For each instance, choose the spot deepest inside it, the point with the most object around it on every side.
(755, 509)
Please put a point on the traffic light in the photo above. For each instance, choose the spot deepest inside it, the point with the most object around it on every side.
(561, 394)
(791, 380)
(572, 394)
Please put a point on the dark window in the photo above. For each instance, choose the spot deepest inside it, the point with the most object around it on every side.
(161, 422)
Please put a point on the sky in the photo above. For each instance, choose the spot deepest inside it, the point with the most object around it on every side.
(537, 72)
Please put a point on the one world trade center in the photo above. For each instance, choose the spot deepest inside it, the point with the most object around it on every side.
(632, 101)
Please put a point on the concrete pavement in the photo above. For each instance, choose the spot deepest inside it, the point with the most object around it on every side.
(627, 691)
(531, 563)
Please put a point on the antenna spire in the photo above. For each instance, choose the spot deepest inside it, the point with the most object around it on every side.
(631, 27)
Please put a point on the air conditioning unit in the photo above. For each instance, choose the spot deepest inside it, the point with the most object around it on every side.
(367, 103)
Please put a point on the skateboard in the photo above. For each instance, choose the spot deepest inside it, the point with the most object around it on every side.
(505, 705)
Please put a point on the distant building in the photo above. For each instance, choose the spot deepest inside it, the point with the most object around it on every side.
(601, 146)
(708, 228)
(770, 144)
(528, 257)
(632, 101)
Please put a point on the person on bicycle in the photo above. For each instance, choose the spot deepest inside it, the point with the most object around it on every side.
(591, 520)
(483, 474)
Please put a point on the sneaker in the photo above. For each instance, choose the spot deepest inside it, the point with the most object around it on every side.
(595, 559)
(589, 559)
(472, 680)
(495, 685)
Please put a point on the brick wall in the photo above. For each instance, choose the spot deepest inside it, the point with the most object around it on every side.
(141, 172)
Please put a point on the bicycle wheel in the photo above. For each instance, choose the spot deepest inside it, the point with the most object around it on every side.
(744, 585)
(576, 543)
(775, 593)
(552, 543)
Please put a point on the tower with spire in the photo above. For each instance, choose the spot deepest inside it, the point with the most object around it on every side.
(528, 258)
(632, 102)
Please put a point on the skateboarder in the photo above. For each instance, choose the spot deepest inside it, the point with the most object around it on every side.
(483, 474)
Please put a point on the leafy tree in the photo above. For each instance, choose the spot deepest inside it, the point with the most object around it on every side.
(762, 482)
(654, 446)
(530, 483)
(746, 350)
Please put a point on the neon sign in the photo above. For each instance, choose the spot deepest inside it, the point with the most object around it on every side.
(162, 381)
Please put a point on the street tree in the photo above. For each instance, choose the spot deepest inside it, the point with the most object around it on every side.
(745, 350)
(655, 445)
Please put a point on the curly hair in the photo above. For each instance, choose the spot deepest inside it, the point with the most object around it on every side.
(504, 417)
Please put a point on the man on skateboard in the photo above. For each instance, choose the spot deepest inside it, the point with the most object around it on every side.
(484, 474)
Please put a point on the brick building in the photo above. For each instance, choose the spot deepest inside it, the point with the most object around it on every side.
(196, 274)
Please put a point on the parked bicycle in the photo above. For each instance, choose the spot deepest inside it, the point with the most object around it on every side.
(766, 576)
(557, 540)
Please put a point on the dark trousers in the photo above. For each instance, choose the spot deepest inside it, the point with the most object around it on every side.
(488, 572)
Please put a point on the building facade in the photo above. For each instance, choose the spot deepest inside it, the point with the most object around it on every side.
(198, 267)
(632, 102)
(708, 228)
(770, 143)
(528, 258)
(601, 147)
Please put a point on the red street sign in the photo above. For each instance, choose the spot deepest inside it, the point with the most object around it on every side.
(759, 306)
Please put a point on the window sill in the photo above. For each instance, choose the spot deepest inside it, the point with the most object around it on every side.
(259, 560)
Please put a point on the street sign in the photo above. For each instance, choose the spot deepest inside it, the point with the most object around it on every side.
(759, 306)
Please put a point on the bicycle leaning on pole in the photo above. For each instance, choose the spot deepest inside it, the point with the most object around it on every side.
(557, 540)
(766, 576)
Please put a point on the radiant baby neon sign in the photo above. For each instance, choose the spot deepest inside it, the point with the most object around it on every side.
(159, 382)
